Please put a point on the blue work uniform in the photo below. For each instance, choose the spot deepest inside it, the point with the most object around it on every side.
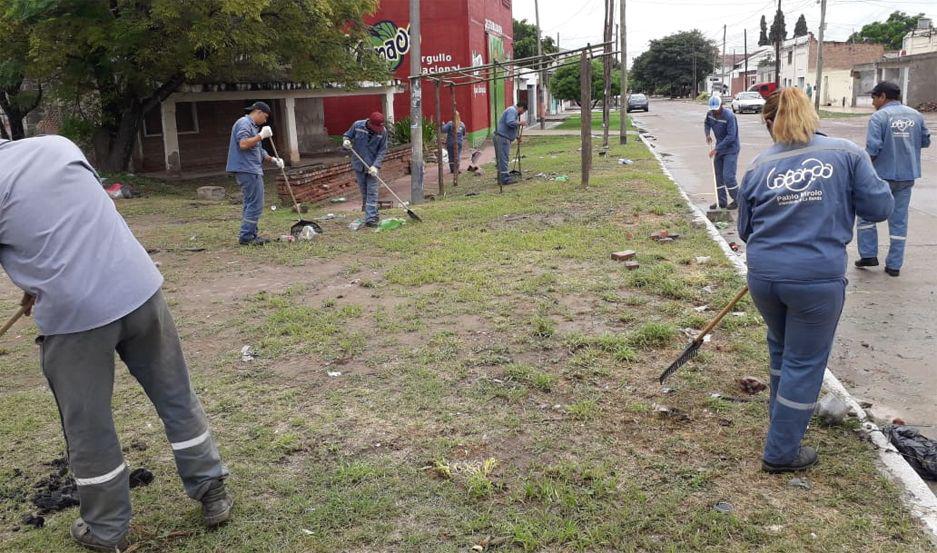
(797, 205)
(372, 147)
(247, 167)
(505, 133)
(454, 143)
(895, 137)
(724, 126)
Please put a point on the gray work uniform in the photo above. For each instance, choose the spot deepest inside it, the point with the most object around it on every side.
(97, 292)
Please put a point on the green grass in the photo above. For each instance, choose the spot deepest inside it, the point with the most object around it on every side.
(825, 114)
(575, 122)
(485, 378)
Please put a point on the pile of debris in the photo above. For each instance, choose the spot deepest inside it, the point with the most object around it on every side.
(928, 107)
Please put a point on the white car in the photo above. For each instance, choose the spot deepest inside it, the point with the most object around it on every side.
(748, 102)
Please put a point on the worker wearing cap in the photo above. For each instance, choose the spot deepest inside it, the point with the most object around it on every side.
(94, 291)
(454, 142)
(245, 161)
(895, 137)
(725, 154)
(506, 133)
(368, 139)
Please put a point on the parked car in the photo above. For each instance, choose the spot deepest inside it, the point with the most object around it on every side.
(765, 89)
(638, 102)
(746, 102)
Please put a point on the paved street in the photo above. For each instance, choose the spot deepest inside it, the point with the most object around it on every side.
(887, 341)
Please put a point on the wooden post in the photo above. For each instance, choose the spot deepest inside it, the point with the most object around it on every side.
(623, 138)
(456, 122)
(442, 174)
(585, 105)
(607, 70)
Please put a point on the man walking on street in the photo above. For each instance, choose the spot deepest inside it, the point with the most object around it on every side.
(454, 141)
(96, 291)
(725, 154)
(894, 141)
(245, 160)
(505, 134)
(368, 138)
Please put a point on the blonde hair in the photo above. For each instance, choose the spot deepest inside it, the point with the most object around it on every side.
(794, 121)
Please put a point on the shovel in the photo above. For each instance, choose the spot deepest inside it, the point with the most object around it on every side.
(410, 212)
(297, 228)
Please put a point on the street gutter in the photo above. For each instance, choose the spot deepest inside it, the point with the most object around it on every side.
(917, 496)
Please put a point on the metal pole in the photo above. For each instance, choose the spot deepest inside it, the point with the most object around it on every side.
(695, 77)
(442, 181)
(585, 108)
(777, 50)
(416, 106)
(623, 131)
(457, 123)
(541, 85)
(744, 88)
(816, 89)
(724, 57)
(607, 70)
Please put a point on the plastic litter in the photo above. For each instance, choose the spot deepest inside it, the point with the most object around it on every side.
(920, 451)
(624, 161)
(562, 178)
(140, 477)
(247, 354)
(723, 507)
(340, 200)
(391, 224)
(832, 410)
(721, 225)
(356, 224)
(799, 483)
(308, 233)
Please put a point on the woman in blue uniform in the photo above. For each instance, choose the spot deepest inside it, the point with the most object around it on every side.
(797, 208)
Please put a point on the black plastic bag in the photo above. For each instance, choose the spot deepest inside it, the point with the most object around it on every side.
(920, 451)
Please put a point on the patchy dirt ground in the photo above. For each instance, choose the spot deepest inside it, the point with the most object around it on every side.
(486, 379)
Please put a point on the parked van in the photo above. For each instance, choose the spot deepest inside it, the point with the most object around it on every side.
(765, 89)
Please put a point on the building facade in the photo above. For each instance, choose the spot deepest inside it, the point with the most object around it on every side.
(456, 34)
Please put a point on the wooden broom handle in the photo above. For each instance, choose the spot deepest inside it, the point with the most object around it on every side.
(725, 311)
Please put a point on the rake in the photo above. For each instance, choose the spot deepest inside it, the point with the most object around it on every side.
(24, 307)
(693, 349)
(410, 212)
(297, 228)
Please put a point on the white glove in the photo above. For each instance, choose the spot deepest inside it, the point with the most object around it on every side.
(266, 132)
(278, 161)
(373, 171)
(346, 144)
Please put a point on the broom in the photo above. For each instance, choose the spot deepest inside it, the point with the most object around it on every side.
(410, 212)
(693, 349)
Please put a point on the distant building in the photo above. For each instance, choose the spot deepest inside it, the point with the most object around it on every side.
(914, 69)
(922, 40)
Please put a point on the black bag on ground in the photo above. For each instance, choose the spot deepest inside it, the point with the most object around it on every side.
(920, 451)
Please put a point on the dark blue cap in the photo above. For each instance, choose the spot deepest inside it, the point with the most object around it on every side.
(262, 106)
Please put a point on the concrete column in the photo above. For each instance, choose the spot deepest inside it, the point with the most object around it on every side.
(170, 137)
(388, 106)
(290, 131)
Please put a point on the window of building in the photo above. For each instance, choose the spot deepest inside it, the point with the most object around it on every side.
(790, 57)
(186, 120)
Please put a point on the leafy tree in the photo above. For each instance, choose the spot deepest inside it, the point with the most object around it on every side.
(121, 58)
(763, 38)
(800, 28)
(565, 83)
(890, 32)
(778, 28)
(17, 98)
(667, 65)
(525, 40)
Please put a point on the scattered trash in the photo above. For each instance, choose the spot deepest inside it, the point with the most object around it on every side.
(340, 200)
(693, 334)
(391, 224)
(286, 238)
(34, 521)
(724, 507)
(735, 247)
(328, 217)
(247, 354)
(624, 161)
(334, 374)
(308, 233)
(57, 491)
(356, 224)
(751, 385)
(703, 260)
(799, 483)
(140, 477)
(308, 532)
(671, 412)
(774, 528)
(664, 236)
(832, 410)
(117, 191)
(471, 194)
(701, 309)
(623, 255)
(273, 208)
(562, 178)
(920, 451)
(721, 225)
(666, 390)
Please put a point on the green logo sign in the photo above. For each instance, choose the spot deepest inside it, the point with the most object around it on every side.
(390, 42)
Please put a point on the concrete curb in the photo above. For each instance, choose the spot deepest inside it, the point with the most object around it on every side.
(917, 496)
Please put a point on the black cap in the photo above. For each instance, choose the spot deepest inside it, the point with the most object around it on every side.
(889, 89)
(262, 106)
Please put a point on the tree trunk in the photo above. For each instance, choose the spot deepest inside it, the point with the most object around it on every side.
(121, 139)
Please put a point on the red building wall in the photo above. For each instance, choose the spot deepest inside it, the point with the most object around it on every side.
(455, 34)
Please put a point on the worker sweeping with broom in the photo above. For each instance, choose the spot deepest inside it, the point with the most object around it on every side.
(797, 207)
(725, 154)
(455, 137)
(95, 292)
(367, 139)
(506, 133)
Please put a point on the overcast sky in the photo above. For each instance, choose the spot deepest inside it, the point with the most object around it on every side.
(580, 22)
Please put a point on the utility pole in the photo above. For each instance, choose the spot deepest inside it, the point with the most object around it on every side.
(623, 131)
(607, 70)
(816, 89)
(585, 110)
(732, 92)
(744, 88)
(416, 106)
(724, 57)
(541, 89)
(777, 49)
(695, 78)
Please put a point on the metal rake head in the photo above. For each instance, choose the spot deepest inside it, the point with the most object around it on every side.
(689, 353)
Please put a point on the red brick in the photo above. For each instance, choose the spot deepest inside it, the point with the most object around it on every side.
(623, 256)
(632, 265)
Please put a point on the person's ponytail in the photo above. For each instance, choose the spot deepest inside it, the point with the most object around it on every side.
(794, 121)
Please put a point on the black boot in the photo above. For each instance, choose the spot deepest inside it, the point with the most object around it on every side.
(82, 533)
(867, 262)
(732, 206)
(806, 458)
(892, 272)
(216, 504)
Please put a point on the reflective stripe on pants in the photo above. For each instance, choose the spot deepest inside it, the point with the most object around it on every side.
(867, 232)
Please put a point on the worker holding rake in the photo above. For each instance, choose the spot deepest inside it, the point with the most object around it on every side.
(797, 207)
(506, 133)
(368, 138)
(725, 154)
(94, 291)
